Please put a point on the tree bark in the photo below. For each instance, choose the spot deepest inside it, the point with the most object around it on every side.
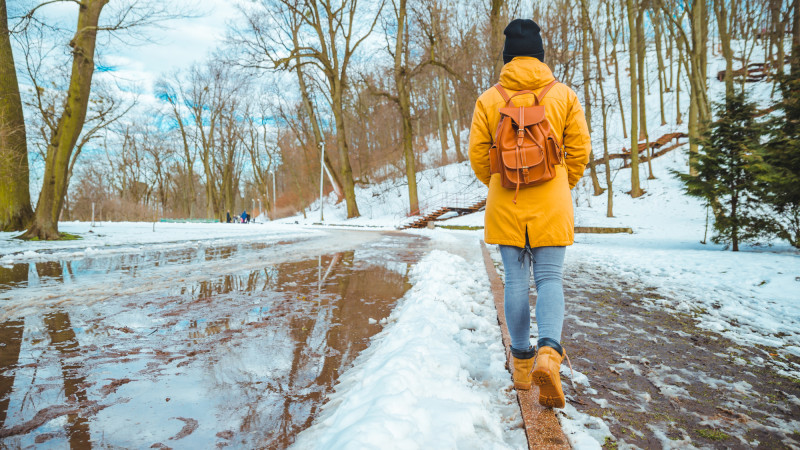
(641, 50)
(662, 76)
(678, 114)
(15, 199)
(344, 151)
(403, 85)
(636, 190)
(699, 112)
(616, 70)
(454, 128)
(795, 58)
(604, 113)
(721, 10)
(586, 65)
(496, 27)
(318, 137)
(442, 127)
(70, 124)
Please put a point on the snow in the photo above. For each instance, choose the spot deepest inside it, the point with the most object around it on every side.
(749, 296)
(107, 238)
(435, 376)
(385, 204)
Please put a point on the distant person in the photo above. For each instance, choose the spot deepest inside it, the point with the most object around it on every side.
(531, 218)
(244, 216)
(228, 217)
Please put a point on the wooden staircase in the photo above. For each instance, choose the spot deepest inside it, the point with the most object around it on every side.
(422, 221)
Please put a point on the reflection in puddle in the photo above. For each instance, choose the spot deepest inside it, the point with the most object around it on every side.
(244, 359)
(75, 271)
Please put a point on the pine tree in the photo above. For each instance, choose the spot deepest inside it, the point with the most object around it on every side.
(780, 184)
(727, 173)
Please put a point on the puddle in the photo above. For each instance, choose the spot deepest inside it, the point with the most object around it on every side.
(240, 357)
(35, 274)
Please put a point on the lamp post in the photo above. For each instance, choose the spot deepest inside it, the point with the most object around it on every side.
(321, 173)
(260, 211)
(274, 195)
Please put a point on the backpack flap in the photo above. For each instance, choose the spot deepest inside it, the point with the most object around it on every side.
(530, 114)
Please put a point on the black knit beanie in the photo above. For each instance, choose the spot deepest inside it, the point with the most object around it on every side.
(522, 39)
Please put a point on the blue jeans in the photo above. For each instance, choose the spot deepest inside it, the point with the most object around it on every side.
(547, 264)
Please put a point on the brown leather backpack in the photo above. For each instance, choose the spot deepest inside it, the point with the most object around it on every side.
(525, 150)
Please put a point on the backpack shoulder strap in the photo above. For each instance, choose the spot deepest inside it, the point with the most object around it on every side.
(502, 92)
(545, 90)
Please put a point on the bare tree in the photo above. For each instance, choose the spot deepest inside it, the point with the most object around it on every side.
(403, 71)
(15, 200)
(695, 42)
(69, 117)
(586, 65)
(330, 32)
(172, 92)
(497, 22)
(636, 190)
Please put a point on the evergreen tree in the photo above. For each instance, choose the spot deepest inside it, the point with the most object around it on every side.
(780, 184)
(727, 172)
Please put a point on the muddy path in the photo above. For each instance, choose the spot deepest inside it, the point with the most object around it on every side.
(210, 346)
(659, 381)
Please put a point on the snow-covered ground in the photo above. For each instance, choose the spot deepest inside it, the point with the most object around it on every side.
(385, 205)
(107, 238)
(434, 376)
(750, 296)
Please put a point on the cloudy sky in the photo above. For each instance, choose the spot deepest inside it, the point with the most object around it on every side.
(174, 44)
(177, 43)
(169, 46)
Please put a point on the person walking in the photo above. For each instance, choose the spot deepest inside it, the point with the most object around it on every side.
(532, 224)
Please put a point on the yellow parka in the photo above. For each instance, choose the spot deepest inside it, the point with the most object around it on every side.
(545, 211)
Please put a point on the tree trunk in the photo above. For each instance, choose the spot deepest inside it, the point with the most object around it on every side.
(496, 27)
(699, 112)
(15, 198)
(777, 35)
(439, 116)
(604, 113)
(454, 128)
(318, 137)
(795, 59)
(662, 76)
(725, 41)
(641, 51)
(402, 83)
(344, 152)
(70, 124)
(735, 220)
(586, 66)
(678, 115)
(616, 72)
(636, 190)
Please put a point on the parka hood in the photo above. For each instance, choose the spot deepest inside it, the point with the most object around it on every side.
(525, 72)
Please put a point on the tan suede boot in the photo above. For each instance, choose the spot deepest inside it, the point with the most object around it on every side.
(546, 375)
(522, 373)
